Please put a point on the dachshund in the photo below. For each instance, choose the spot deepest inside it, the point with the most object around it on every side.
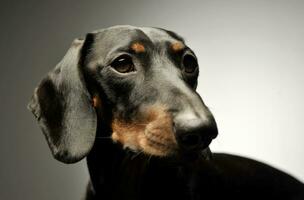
(125, 98)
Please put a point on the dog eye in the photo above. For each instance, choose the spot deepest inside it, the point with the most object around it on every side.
(123, 64)
(190, 64)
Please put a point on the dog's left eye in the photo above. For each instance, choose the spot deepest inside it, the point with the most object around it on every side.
(123, 64)
(190, 64)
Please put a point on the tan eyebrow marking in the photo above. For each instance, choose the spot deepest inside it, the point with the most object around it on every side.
(177, 46)
(138, 47)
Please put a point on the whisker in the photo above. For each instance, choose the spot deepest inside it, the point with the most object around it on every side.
(137, 154)
(149, 159)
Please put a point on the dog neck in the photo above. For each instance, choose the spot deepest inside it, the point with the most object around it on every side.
(113, 171)
(118, 173)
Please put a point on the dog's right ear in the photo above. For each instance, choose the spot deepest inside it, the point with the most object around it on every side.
(63, 107)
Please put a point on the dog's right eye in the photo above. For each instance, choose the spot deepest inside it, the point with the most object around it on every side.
(123, 64)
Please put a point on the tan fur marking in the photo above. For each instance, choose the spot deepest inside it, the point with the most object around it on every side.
(152, 134)
(96, 102)
(177, 46)
(138, 47)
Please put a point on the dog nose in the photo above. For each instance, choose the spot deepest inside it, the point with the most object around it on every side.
(195, 134)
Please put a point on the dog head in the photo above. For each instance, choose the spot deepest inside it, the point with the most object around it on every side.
(143, 79)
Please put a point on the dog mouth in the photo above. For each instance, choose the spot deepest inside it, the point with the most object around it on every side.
(147, 143)
(157, 143)
(153, 135)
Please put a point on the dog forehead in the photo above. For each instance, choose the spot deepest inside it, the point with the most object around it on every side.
(157, 35)
(125, 35)
(117, 36)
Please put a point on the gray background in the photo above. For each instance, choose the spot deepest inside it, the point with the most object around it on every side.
(251, 58)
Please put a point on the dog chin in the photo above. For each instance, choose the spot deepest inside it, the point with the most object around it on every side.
(147, 145)
(151, 146)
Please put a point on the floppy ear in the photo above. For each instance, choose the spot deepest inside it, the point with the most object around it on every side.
(62, 105)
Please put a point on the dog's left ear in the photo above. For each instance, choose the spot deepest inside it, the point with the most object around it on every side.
(63, 107)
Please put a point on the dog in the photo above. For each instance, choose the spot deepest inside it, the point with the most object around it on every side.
(125, 98)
